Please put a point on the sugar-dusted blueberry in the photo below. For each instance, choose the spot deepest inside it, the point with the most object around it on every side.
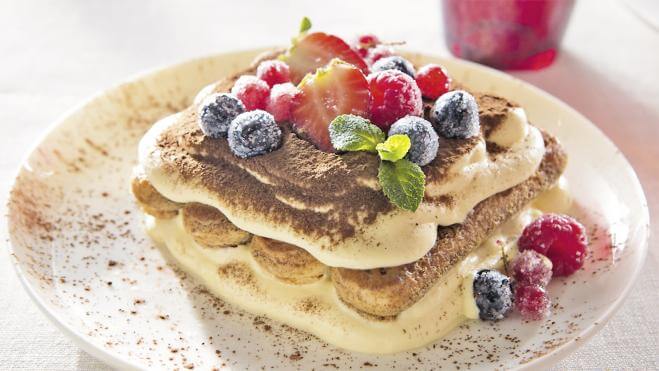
(424, 140)
(455, 115)
(394, 62)
(254, 133)
(216, 112)
(493, 294)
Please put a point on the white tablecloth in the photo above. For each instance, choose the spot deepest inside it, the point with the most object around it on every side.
(54, 54)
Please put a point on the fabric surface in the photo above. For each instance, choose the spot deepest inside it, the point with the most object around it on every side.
(55, 54)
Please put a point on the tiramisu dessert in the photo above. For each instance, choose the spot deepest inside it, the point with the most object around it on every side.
(346, 192)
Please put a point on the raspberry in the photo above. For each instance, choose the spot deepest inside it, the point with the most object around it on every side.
(393, 95)
(531, 268)
(532, 302)
(560, 238)
(364, 43)
(281, 101)
(378, 52)
(433, 81)
(367, 41)
(273, 72)
(252, 91)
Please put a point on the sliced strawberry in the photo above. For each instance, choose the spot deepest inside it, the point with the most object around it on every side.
(315, 50)
(340, 88)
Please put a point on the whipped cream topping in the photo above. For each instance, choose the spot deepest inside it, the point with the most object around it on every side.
(396, 237)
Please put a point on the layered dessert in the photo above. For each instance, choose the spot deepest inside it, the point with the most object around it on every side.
(348, 193)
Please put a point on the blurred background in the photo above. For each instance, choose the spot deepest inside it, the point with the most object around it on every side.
(55, 54)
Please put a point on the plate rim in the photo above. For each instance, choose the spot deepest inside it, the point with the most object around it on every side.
(115, 360)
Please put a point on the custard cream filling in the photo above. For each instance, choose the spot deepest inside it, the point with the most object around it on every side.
(248, 286)
(395, 238)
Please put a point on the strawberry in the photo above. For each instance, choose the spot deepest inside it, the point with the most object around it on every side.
(315, 50)
(340, 88)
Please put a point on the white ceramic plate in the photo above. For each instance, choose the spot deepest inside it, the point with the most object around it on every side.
(80, 250)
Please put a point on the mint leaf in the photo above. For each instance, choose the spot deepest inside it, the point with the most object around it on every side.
(305, 25)
(354, 133)
(403, 183)
(394, 148)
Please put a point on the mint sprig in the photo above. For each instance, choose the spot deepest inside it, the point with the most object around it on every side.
(354, 133)
(394, 148)
(305, 25)
(402, 181)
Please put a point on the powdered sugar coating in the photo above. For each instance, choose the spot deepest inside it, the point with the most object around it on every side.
(531, 268)
(216, 112)
(560, 238)
(455, 115)
(281, 101)
(273, 72)
(394, 95)
(424, 140)
(532, 302)
(252, 91)
(394, 62)
(493, 294)
(254, 133)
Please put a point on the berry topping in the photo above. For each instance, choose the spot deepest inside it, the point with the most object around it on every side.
(532, 302)
(422, 136)
(367, 41)
(364, 43)
(455, 115)
(253, 133)
(252, 91)
(560, 238)
(378, 52)
(433, 81)
(493, 294)
(393, 95)
(394, 63)
(273, 72)
(340, 88)
(316, 50)
(281, 101)
(531, 268)
(216, 112)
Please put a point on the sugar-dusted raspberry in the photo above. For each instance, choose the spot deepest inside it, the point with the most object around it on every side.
(393, 95)
(252, 91)
(532, 302)
(560, 238)
(281, 101)
(433, 80)
(273, 72)
(531, 268)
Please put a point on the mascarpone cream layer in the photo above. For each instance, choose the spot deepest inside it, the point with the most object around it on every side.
(253, 289)
(397, 237)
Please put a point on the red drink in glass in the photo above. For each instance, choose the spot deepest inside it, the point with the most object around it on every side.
(506, 34)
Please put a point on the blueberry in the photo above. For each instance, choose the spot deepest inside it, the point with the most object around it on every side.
(422, 137)
(493, 294)
(253, 133)
(394, 63)
(216, 113)
(455, 115)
